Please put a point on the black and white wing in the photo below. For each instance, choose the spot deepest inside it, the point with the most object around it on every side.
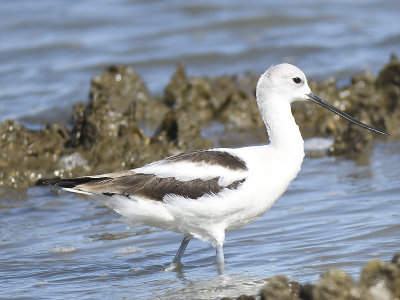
(189, 175)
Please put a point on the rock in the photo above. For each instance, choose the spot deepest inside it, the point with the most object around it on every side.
(193, 95)
(183, 130)
(388, 86)
(175, 93)
(379, 275)
(337, 285)
(396, 259)
(306, 291)
(279, 288)
(245, 297)
(28, 155)
(118, 98)
(380, 293)
(123, 127)
(230, 99)
(242, 297)
(123, 89)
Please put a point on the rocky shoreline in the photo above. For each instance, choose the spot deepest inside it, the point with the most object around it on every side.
(378, 281)
(122, 126)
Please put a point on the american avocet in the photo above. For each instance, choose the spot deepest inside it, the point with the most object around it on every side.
(205, 193)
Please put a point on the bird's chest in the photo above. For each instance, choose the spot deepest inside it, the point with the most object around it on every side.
(266, 184)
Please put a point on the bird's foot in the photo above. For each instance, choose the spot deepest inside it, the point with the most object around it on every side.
(173, 266)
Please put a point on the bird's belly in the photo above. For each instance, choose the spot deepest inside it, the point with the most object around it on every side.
(230, 210)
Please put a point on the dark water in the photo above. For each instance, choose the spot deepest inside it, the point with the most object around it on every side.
(337, 213)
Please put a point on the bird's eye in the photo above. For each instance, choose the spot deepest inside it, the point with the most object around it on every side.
(296, 80)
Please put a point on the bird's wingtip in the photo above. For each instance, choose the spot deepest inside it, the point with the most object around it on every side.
(68, 183)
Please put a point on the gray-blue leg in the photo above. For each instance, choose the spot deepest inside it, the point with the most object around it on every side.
(181, 250)
(220, 260)
(179, 254)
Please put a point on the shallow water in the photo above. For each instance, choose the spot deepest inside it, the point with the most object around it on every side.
(338, 213)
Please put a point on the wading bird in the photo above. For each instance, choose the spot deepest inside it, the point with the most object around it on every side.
(205, 193)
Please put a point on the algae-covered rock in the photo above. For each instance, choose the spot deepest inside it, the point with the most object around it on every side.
(230, 99)
(246, 297)
(99, 121)
(279, 288)
(192, 94)
(237, 103)
(175, 93)
(389, 81)
(313, 119)
(27, 155)
(105, 135)
(337, 285)
(378, 275)
(373, 100)
(379, 281)
(117, 100)
(109, 130)
(306, 291)
(123, 89)
(388, 84)
(361, 100)
(106, 130)
(396, 260)
(183, 129)
(122, 126)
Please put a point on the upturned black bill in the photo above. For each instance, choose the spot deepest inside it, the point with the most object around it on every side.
(314, 98)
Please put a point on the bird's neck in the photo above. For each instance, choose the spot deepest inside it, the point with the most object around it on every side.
(284, 134)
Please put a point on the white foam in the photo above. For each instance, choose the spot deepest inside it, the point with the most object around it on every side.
(64, 249)
(318, 144)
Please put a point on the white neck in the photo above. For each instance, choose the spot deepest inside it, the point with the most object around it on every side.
(284, 134)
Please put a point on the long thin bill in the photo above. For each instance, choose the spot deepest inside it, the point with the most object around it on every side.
(314, 98)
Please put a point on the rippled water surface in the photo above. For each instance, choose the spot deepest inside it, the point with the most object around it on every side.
(337, 213)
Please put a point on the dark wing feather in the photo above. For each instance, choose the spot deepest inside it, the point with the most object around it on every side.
(145, 185)
(71, 183)
(211, 157)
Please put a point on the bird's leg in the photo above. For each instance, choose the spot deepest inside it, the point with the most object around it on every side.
(181, 250)
(220, 260)
(179, 254)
